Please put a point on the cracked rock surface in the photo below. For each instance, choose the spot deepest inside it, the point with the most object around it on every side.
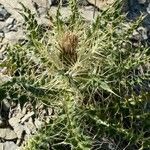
(21, 123)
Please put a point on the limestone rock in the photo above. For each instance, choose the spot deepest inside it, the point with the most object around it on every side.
(7, 134)
(14, 37)
(5, 102)
(101, 4)
(1, 146)
(19, 130)
(4, 14)
(14, 121)
(4, 78)
(2, 123)
(27, 116)
(2, 35)
(10, 20)
(148, 9)
(2, 25)
(38, 123)
(30, 127)
(10, 146)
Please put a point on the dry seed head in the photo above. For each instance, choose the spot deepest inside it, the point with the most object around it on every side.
(68, 44)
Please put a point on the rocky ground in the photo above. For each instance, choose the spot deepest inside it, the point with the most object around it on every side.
(16, 123)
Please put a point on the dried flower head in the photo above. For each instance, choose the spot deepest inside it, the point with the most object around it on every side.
(68, 44)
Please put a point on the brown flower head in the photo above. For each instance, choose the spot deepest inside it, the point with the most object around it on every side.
(68, 44)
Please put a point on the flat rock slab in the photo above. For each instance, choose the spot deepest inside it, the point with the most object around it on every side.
(14, 37)
(101, 4)
(3, 13)
(1, 146)
(7, 134)
(86, 12)
(8, 146)
(13, 6)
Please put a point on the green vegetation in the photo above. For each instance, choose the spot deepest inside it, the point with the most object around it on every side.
(93, 77)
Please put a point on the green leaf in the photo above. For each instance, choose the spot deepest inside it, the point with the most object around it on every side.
(105, 86)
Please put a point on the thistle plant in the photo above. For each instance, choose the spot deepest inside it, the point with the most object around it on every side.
(92, 75)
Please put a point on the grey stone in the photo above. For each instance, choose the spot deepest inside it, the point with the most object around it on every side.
(5, 103)
(10, 26)
(27, 130)
(14, 121)
(13, 6)
(1, 146)
(1, 57)
(44, 22)
(20, 115)
(4, 78)
(87, 12)
(24, 110)
(140, 34)
(38, 123)
(3, 13)
(2, 35)
(3, 52)
(5, 29)
(148, 9)
(14, 37)
(143, 32)
(47, 119)
(10, 146)
(56, 2)
(135, 8)
(102, 5)
(30, 127)
(3, 70)
(26, 138)
(19, 130)
(2, 123)
(41, 7)
(142, 1)
(83, 2)
(14, 28)
(50, 111)
(27, 116)
(43, 113)
(7, 134)
(2, 25)
(3, 47)
(16, 111)
(10, 20)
